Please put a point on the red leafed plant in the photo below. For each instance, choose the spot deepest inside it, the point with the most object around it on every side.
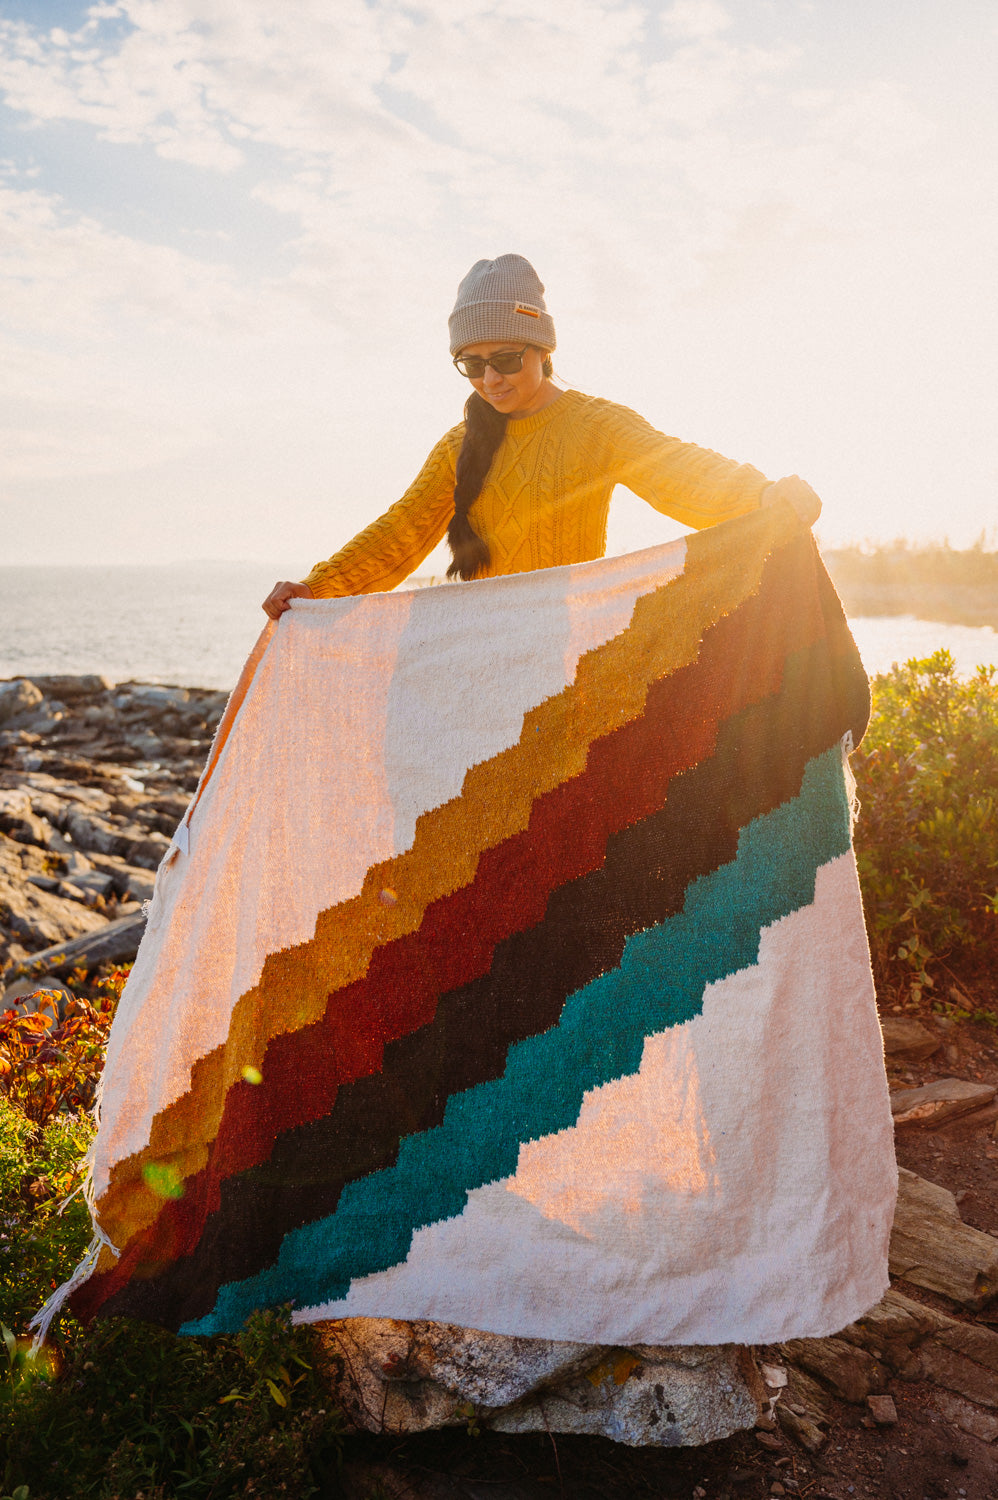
(51, 1059)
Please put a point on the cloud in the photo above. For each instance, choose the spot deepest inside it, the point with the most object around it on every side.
(704, 197)
(67, 274)
(695, 19)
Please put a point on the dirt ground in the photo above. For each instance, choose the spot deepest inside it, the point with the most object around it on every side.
(923, 1457)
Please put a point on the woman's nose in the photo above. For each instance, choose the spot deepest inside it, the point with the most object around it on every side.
(492, 377)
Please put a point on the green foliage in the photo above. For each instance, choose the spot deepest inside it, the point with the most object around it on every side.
(927, 780)
(139, 1410)
(124, 1408)
(39, 1245)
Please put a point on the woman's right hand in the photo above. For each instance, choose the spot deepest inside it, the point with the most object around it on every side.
(280, 597)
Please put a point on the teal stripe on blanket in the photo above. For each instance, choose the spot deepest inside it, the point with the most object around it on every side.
(601, 1035)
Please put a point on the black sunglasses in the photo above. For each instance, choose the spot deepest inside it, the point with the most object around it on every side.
(506, 362)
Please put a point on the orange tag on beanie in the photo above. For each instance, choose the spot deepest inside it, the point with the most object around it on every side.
(525, 307)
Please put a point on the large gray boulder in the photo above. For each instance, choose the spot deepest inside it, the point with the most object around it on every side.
(393, 1376)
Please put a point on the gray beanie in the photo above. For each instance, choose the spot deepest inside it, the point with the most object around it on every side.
(498, 300)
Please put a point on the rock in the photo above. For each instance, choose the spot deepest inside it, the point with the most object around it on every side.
(108, 942)
(90, 831)
(807, 1397)
(29, 829)
(684, 1397)
(935, 1102)
(92, 884)
(20, 860)
(895, 1319)
(972, 1340)
(908, 1038)
(43, 719)
(144, 847)
(959, 1372)
(962, 1357)
(932, 1247)
(802, 1429)
(16, 698)
(127, 880)
(893, 1329)
(14, 801)
(23, 992)
(18, 821)
(69, 861)
(69, 689)
(97, 834)
(851, 1372)
(151, 695)
(968, 1418)
(409, 1377)
(41, 919)
(882, 1410)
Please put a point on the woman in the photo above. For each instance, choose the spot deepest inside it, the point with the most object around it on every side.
(525, 481)
(466, 1016)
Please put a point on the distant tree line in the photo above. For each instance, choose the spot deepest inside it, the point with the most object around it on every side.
(932, 581)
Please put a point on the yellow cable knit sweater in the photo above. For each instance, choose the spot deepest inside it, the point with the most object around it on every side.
(546, 497)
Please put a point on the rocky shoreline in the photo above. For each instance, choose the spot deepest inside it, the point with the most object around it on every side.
(94, 778)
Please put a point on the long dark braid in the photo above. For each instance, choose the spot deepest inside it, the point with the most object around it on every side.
(484, 428)
(483, 432)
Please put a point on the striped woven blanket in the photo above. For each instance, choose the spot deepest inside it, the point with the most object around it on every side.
(509, 970)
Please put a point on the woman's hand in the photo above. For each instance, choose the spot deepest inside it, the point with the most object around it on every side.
(800, 494)
(280, 597)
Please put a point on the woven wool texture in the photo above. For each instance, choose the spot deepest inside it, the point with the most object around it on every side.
(511, 972)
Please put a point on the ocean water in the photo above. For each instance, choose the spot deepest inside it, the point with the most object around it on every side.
(195, 623)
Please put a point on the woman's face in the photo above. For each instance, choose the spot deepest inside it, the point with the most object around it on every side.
(514, 395)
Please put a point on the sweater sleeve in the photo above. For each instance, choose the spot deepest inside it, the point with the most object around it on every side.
(395, 544)
(693, 485)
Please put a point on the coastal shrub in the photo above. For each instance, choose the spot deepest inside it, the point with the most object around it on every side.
(927, 780)
(51, 1058)
(136, 1410)
(50, 1066)
(42, 1237)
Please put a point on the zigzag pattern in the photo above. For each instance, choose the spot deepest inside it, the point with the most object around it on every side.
(580, 896)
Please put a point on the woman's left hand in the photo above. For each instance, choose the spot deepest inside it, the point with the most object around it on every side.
(800, 494)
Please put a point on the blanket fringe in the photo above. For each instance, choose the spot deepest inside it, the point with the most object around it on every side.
(42, 1321)
(855, 805)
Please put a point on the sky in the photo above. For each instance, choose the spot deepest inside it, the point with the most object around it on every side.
(231, 232)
